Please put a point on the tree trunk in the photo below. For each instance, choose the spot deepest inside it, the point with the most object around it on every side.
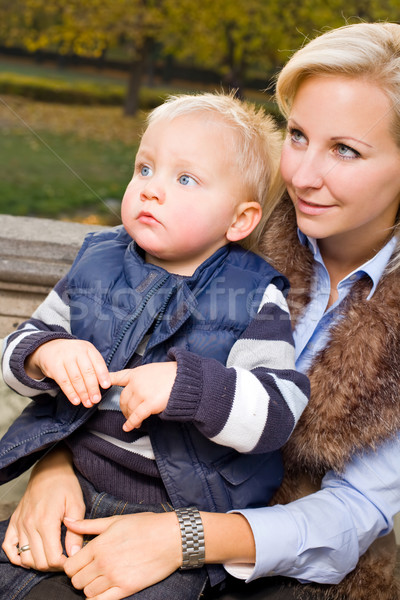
(136, 70)
(234, 78)
(134, 82)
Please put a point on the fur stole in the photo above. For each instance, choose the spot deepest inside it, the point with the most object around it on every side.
(355, 387)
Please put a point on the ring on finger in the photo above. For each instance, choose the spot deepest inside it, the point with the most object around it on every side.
(24, 548)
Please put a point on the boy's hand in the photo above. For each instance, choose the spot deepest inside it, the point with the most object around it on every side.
(75, 365)
(147, 391)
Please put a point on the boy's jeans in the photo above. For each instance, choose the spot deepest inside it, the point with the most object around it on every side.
(16, 582)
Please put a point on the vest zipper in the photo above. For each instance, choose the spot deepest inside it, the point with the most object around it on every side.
(163, 308)
(135, 315)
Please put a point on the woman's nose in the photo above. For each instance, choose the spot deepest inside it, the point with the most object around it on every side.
(309, 172)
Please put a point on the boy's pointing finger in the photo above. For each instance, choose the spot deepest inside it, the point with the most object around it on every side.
(120, 377)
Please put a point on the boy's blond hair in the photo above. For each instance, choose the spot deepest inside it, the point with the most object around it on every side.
(257, 150)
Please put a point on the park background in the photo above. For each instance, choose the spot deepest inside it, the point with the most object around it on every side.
(78, 76)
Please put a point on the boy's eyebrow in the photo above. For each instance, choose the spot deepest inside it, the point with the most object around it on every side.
(141, 150)
(142, 153)
(143, 147)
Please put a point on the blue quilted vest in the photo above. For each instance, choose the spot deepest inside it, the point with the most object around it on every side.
(116, 298)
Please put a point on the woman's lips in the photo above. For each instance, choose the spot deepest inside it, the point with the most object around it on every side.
(310, 208)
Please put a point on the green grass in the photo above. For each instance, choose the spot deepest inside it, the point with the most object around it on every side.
(49, 71)
(59, 175)
(54, 170)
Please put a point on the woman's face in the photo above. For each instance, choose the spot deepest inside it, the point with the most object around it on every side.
(340, 162)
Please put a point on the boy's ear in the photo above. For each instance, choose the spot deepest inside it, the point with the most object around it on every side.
(247, 217)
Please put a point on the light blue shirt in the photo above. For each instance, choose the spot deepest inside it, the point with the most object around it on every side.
(320, 537)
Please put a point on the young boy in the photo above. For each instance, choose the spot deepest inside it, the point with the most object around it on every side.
(157, 307)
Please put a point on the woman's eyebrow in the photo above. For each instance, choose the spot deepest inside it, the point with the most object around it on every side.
(349, 137)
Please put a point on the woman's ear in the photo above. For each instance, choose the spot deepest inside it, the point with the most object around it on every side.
(247, 217)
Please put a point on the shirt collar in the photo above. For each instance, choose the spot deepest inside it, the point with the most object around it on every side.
(373, 267)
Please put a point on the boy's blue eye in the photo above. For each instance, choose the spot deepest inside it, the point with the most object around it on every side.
(145, 171)
(186, 180)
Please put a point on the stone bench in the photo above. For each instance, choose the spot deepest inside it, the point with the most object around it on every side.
(34, 255)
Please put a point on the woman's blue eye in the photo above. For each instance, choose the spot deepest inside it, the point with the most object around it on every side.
(346, 152)
(145, 171)
(296, 135)
(186, 180)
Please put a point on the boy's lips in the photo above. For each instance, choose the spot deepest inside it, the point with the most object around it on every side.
(147, 218)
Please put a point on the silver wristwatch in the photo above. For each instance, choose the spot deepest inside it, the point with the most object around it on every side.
(192, 533)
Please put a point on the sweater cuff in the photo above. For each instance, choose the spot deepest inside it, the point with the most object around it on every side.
(188, 387)
(23, 349)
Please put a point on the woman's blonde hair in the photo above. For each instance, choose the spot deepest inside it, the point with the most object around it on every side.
(370, 51)
(257, 149)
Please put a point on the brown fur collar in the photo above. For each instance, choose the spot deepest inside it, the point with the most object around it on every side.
(354, 403)
(355, 380)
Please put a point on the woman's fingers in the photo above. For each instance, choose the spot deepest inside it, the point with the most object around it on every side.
(73, 540)
(10, 544)
(88, 526)
(128, 554)
(52, 492)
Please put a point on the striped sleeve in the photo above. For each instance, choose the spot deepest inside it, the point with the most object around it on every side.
(253, 403)
(51, 320)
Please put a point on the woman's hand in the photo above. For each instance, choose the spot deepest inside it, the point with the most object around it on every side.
(130, 553)
(53, 493)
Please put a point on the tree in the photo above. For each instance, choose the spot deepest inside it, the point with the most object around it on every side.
(88, 28)
(236, 36)
(231, 37)
(223, 35)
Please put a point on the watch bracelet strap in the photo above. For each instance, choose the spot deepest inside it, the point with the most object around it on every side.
(192, 534)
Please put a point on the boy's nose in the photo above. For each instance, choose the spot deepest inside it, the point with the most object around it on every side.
(153, 191)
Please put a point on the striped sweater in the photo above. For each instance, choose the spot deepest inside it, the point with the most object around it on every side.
(252, 404)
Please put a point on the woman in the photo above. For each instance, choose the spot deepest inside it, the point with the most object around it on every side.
(341, 166)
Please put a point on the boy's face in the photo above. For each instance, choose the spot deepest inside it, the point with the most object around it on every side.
(184, 192)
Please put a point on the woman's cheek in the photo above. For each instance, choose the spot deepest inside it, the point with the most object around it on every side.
(286, 165)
